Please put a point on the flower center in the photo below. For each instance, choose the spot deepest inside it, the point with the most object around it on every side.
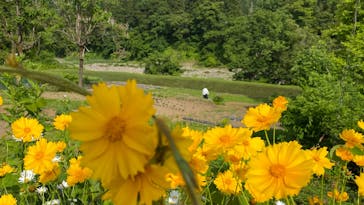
(115, 129)
(39, 155)
(27, 130)
(277, 170)
(225, 139)
(246, 142)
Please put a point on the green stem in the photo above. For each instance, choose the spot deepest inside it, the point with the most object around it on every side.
(46, 78)
(266, 136)
(322, 188)
(183, 166)
(274, 134)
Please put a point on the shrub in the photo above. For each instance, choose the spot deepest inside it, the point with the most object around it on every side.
(160, 63)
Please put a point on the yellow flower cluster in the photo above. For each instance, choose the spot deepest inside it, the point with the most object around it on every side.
(76, 173)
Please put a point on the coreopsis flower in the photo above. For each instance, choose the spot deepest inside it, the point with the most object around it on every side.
(175, 180)
(239, 170)
(39, 156)
(250, 146)
(315, 200)
(62, 121)
(7, 199)
(5, 169)
(26, 176)
(359, 160)
(61, 146)
(343, 196)
(1, 101)
(199, 163)
(143, 188)
(361, 124)
(49, 175)
(280, 103)
(359, 180)
(344, 154)
(261, 117)
(280, 170)
(76, 173)
(27, 129)
(352, 138)
(196, 137)
(117, 118)
(220, 139)
(227, 183)
(320, 160)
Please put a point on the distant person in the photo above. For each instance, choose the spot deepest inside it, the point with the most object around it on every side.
(205, 93)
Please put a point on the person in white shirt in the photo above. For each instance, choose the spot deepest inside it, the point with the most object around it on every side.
(205, 93)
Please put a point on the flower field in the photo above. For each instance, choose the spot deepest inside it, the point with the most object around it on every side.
(115, 150)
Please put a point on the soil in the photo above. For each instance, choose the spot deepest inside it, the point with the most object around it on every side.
(189, 109)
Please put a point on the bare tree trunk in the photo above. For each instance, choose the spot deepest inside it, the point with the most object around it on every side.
(357, 5)
(80, 65)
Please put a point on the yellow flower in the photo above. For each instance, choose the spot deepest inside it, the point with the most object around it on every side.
(196, 137)
(144, 188)
(352, 138)
(344, 154)
(321, 162)
(1, 101)
(240, 170)
(116, 137)
(261, 117)
(175, 180)
(49, 175)
(7, 199)
(61, 122)
(227, 183)
(338, 196)
(250, 146)
(359, 180)
(361, 124)
(5, 169)
(315, 200)
(27, 129)
(280, 103)
(39, 156)
(61, 146)
(77, 174)
(359, 160)
(280, 170)
(221, 139)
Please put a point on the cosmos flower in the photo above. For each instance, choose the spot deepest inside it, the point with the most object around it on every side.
(361, 124)
(50, 175)
(1, 100)
(280, 170)
(344, 154)
(27, 129)
(117, 118)
(338, 196)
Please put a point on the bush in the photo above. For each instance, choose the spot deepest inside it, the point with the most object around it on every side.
(323, 110)
(161, 63)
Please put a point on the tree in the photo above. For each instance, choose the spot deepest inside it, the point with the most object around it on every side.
(20, 23)
(79, 19)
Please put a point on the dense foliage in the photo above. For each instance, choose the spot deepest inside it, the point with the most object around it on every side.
(311, 43)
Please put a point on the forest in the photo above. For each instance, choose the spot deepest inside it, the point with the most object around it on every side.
(273, 41)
